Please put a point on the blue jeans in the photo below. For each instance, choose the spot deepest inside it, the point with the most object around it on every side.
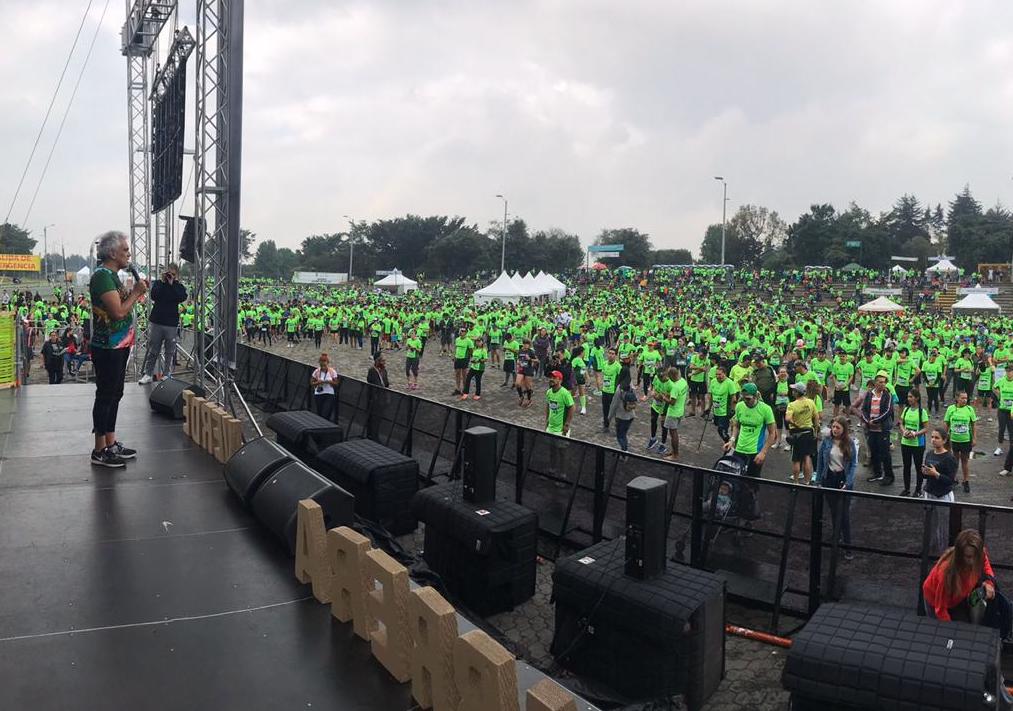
(622, 429)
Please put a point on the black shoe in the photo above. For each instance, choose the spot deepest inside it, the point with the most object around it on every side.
(886, 482)
(106, 458)
(917, 494)
(875, 477)
(906, 492)
(123, 452)
(967, 487)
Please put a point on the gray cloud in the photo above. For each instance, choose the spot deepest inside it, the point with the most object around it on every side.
(585, 114)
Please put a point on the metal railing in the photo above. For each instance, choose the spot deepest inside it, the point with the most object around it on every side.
(787, 558)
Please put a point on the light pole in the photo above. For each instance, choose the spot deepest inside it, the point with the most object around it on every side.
(724, 213)
(45, 251)
(351, 246)
(502, 255)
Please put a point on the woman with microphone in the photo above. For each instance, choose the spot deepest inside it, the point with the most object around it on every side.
(112, 337)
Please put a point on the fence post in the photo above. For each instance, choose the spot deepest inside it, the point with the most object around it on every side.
(696, 524)
(816, 550)
(600, 497)
(520, 466)
(410, 430)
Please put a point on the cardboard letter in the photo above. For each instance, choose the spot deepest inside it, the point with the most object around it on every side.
(311, 564)
(347, 550)
(547, 695)
(389, 605)
(486, 674)
(433, 625)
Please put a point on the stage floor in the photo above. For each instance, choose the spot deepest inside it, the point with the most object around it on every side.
(151, 588)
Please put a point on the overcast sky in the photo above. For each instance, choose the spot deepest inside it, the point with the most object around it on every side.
(584, 113)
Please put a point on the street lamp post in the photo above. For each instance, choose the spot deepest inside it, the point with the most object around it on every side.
(351, 247)
(502, 255)
(724, 213)
(45, 251)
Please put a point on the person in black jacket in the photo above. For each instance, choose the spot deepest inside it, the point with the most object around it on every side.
(166, 294)
(376, 396)
(52, 357)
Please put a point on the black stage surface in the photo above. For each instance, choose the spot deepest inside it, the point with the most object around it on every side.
(152, 588)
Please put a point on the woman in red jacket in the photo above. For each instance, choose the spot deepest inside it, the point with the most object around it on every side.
(955, 576)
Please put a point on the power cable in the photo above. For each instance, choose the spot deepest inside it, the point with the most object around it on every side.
(45, 120)
(66, 113)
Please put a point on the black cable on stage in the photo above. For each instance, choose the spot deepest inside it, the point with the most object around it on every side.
(66, 113)
(45, 120)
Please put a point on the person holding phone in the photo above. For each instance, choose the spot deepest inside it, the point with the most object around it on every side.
(940, 471)
(166, 296)
(323, 379)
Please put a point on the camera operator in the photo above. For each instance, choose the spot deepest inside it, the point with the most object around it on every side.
(166, 294)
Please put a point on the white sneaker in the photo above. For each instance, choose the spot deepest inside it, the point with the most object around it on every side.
(583, 411)
(997, 452)
(145, 379)
(1004, 472)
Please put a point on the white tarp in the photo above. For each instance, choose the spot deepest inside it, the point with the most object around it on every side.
(976, 302)
(880, 305)
(319, 278)
(82, 276)
(504, 289)
(398, 282)
(943, 266)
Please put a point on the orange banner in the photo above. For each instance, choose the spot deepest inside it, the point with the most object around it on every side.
(20, 263)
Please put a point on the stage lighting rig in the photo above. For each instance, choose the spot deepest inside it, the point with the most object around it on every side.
(143, 25)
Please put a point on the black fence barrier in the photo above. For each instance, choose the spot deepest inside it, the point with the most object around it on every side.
(779, 545)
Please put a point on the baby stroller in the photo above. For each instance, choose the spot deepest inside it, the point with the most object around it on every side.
(729, 501)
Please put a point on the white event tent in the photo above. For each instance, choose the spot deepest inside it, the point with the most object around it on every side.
(397, 282)
(881, 305)
(504, 290)
(976, 302)
(943, 266)
(82, 277)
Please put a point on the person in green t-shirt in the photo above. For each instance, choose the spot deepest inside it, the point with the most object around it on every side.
(412, 354)
(1003, 393)
(676, 411)
(579, 368)
(292, 330)
(843, 372)
(914, 424)
(963, 436)
(963, 370)
(462, 357)
(721, 400)
(510, 348)
(476, 368)
(558, 406)
(610, 379)
(661, 391)
(699, 364)
(752, 431)
(933, 372)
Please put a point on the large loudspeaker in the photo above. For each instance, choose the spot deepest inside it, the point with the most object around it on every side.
(167, 397)
(479, 464)
(646, 639)
(247, 469)
(646, 499)
(276, 502)
(861, 657)
(304, 433)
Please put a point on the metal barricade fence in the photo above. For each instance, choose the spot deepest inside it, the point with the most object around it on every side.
(803, 546)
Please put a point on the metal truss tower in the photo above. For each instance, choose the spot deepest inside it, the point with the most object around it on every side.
(218, 158)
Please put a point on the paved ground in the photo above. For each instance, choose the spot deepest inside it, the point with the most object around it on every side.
(436, 378)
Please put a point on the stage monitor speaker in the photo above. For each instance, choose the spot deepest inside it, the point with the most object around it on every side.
(276, 502)
(479, 465)
(304, 433)
(189, 242)
(646, 500)
(167, 397)
(249, 467)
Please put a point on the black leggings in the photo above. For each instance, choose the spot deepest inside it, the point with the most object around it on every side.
(110, 369)
(912, 455)
(475, 375)
(325, 405)
(933, 398)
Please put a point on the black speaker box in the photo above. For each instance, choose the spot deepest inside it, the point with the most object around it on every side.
(646, 500)
(479, 464)
(485, 553)
(304, 433)
(275, 504)
(247, 469)
(646, 639)
(861, 657)
(167, 397)
(383, 481)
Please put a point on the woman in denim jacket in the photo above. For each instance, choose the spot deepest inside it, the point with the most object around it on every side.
(836, 463)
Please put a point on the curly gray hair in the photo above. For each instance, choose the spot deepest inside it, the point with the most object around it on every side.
(106, 243)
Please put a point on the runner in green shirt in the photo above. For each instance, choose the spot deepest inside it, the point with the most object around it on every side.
(676, 410)
(411, 365)
(558, 406)
(933, 370)
(462, 356)
(661, 391)
(476, 368)
(963, 436)
(914, 423)
(510, 348)
(721, 398)
(579, 368)
(1003, 392)
(610, 378)
(843, 372)
(752, 430)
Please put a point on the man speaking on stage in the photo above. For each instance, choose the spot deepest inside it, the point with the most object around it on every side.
(112, 337)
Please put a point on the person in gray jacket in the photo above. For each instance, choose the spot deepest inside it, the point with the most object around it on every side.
(623, 411)
(166, 295)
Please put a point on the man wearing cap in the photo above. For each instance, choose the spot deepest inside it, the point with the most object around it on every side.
(752, 431)
(801, 417)
(558, 406)
(875, 408)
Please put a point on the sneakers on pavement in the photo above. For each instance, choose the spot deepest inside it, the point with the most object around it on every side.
(144, 380)
(967, 487)
(122, 452)
(106, 458)
(652, 443)
(997, 452)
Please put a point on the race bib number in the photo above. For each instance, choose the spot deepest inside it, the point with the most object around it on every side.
(1006, 404)
(781, 400)
(961, 429)
(1000, 372)
(930, 378)
(607, 382)
(553, 405)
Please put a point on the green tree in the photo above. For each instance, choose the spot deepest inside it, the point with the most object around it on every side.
(15, 240)
(319, 253)
(671, 256)
(401, 243)
(964, 228)
(461, 254)
(636, 245)
(752, 232)
(246, 239)
(266, 263)
(811, 234)
(552, 251)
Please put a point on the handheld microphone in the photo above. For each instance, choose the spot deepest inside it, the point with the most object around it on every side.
(133, 272)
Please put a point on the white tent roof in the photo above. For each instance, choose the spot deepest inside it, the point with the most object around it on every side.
(396, 278)
(503, 289)
(881, 305)
(529, 286)
(84, 271)
(943, 265)
(550, 286)
(976, 302)
(898, 268)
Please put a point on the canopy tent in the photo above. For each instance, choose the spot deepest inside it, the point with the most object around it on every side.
(976, 302)
(504, 290)
(897, 268)
(82, 277)
(943, 266)
(397, 282)
(557, 289)
(881, 305)
(534, 288)
(598, 266)
(851, 267)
